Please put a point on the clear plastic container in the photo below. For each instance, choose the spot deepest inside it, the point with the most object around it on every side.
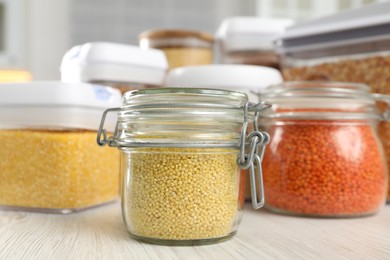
(121, 66)
(324, 158)
(353, 46)
(182, 47)
(49, 159)
(249, 40)
(180, 170)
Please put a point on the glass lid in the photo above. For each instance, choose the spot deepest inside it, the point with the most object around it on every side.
(183, 115)
(185, 97)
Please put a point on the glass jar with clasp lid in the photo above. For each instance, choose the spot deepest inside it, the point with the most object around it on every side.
(325, 158)
(182, 150)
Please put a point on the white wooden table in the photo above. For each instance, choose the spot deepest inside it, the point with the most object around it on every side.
(100, 234)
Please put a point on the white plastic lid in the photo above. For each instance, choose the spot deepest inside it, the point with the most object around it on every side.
(243, 78)
(113, 62)
(251, 33)
(56, 105)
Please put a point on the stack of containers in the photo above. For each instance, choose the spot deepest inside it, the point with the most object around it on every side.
(248, 79)
(125, 67)
(49, 158)
(352, 46)
(249, 40)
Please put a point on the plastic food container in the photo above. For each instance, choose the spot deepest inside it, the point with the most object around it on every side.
(181, 151)
(49, 158)
(182, 47)
(121, 66)
(243, 78)
(249, 40)
(352, 47)
(324, 158)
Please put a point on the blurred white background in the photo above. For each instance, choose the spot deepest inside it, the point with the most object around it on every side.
(35, 34)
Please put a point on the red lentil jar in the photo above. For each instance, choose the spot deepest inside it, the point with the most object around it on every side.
(324, 158)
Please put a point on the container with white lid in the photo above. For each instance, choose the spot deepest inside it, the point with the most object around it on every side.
(126, 67)
(182, 47)
(352, 46)
(249, 40)
(50, 162)
(244, 78)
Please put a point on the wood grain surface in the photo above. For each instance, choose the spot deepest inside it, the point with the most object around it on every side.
(100, 234)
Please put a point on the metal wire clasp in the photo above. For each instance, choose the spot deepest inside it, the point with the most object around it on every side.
(254, 144)
(102, 132)
(385, 115)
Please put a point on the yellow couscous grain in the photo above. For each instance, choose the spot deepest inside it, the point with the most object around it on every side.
(181, 193)
(56, 169)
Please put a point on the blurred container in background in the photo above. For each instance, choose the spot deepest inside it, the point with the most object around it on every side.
(243, 78)
(249, 40)
(14, 75)
(125, 67)
(182, 47)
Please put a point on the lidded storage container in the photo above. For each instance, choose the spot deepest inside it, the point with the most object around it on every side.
(243, 78)
(249, 40)
(324, 158)
(49, 159)
(181, 151)
(353, 46)
(125, 67)
(182, 47)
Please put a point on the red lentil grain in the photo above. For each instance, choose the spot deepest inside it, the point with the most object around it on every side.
(373, 71)
(324, 168)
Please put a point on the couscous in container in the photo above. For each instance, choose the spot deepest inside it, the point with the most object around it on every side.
(182, 150)
(49, 159)
(324, 158)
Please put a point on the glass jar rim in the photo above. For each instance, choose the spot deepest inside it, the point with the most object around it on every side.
(189, 97)
(323, 100)
(184, 117)
(313, 88)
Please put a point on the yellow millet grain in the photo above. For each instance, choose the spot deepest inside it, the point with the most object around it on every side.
(56, 169)
(181, 194)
